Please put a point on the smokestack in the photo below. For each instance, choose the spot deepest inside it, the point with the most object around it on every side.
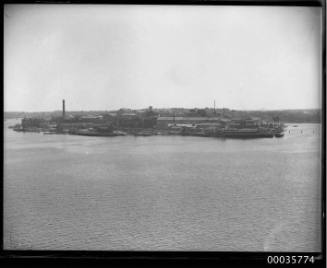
(63, 109)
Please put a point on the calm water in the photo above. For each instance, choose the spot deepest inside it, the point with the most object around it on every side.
(162, 192)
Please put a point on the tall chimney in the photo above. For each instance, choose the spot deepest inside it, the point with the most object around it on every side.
(63, 109)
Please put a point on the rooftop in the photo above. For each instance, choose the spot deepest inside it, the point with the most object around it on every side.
(180, 118)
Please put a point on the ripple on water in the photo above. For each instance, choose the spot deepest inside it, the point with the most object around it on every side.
(161, 193)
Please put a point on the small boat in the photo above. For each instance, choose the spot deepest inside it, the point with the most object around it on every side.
(19, 129)
(92, 132)
(119, 133)
(49, 132)
(279, 135)
(145, 133)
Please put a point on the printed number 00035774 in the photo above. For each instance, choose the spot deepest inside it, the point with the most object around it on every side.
(290, 259)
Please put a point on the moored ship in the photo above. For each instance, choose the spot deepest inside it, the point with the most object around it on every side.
(246, 133)
(93, 132)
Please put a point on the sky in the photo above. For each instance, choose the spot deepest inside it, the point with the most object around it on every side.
(105, 57)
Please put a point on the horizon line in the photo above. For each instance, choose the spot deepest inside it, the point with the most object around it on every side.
(106, 110)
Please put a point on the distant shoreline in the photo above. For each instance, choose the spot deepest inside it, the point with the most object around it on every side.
(285, 122)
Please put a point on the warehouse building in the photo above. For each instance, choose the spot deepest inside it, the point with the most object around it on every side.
(165, 122)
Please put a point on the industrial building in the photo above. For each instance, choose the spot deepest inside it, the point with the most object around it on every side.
(147, 122)
(252, 122)
(165, 122)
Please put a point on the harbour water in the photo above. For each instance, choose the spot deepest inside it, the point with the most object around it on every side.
(162, 192)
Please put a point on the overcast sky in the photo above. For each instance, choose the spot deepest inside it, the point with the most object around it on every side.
(104, 57)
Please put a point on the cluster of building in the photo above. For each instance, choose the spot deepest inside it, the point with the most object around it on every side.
(148, 122)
